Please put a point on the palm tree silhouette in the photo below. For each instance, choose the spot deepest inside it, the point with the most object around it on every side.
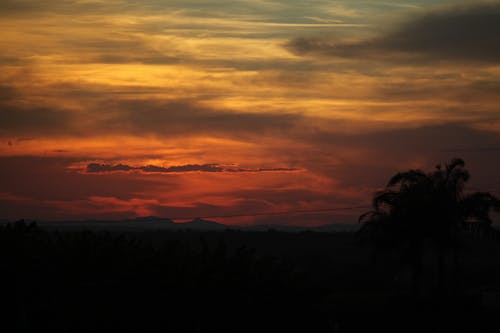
(418, 208)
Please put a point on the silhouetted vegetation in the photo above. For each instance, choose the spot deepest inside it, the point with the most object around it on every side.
(420, 215)
(189, 281)
(87, 281)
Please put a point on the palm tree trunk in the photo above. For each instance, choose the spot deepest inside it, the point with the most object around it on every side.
(455, 277)
(441, 271)
(417, 269)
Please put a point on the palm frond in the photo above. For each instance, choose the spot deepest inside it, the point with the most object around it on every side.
(408, 177)
(478, 206)
(454, 163)
(385, 198)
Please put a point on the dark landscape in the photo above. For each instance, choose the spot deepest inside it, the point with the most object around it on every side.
(248, 166)
(227, 281)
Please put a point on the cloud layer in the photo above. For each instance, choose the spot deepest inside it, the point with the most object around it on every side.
(467, 33)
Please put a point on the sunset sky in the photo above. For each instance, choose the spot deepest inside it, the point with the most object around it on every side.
(116, 109)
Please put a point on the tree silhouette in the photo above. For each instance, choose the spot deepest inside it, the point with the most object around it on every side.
(418, 208)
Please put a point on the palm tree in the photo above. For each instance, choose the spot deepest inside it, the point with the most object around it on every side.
(417, 208)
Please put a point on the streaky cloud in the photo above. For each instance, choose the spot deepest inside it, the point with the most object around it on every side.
(455, 33)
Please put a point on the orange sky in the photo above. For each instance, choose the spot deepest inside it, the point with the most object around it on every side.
(216, 108)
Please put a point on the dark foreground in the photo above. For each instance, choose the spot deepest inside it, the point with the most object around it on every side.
(233, 281)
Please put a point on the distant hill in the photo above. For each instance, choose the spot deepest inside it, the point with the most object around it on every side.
(151, 219)
(160, 223)
(201, 224)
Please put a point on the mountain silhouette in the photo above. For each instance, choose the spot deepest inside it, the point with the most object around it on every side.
(162, 223)
(201, 224)
(151, 219)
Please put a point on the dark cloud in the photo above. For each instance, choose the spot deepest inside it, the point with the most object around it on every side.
(10, 6)
(109, 50)
(410, 143)
(147, 59)
(188, 117)
(30, 7)
(261, 170)
(18, 119)
(94, 167)
(7, 92)
(98, 168)
(9, 61)
(452, 88)
(26, 113)
(473, 150)
(181, 168)
(457, 33)
(487, 86)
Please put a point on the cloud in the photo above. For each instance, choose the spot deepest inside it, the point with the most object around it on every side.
(30, 7)
(189, 117)
(55, 111)
(102, 168)
(20, 117)
(7, 92)
(95, 168)
(468, 33)
(117, 50)
(19, 120)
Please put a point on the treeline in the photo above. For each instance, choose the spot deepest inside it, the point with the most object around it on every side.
(90, 281)
(86, 281)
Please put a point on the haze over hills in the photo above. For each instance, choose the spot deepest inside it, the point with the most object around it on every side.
(160, 223)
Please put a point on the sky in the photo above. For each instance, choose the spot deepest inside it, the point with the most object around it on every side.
(202, 108)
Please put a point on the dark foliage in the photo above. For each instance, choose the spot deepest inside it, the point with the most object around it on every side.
(87, 281)
(420, 212)
(233, 281)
